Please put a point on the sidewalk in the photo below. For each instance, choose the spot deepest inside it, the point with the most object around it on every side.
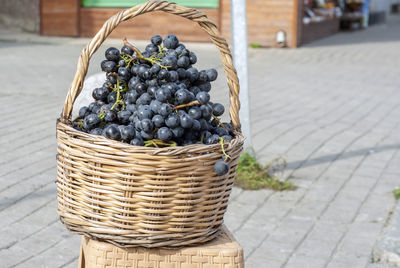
(331, 109)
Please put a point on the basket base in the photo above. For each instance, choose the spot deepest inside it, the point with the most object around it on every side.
(220, 252)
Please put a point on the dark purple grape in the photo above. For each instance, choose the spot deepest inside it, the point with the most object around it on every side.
(182, 96)
(186, 121)
(196, 125)
(178, 132)
(164, 134)
(163, 94)
(155, 106)
(127, 50)
(112, 132)
(155, 69)
(227, 137)
(130, 107)
(124, 74)
(131, 96)
(205, 87)
(158, 121)
(137, 141)
(147, 135)
(96, 131)
(192, 74)
(147, 125)
(140, 88)
(145, 99)
(203, 97)
(112, 54)
(165, 110)
(100, 93)
(109, 67)
(144, 112)
(172, 121)
(171, 41)
(220, 131)
(212, 75)
(109, 116)
(127, 133)
(203, 76)
(112, 97)
(192, 58)
(84, 111)
(221, 168)
(173, 76)
(163, 74)
(183, 62)
(212, 139)
(195, 112)
(180, 48)
(122, 63)
(169, 62)
(123, 116)
(156, 40)
(151, 48)
(133, 82)
(218, 109)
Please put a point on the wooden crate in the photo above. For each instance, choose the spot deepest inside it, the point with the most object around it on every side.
(222, 252)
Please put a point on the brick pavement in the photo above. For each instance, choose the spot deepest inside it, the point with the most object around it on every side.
(331, 109)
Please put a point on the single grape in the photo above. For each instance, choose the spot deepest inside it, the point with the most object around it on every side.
(112, 132)
(203, 76)
(220, 131)
(212, 139)
(133, 82)
(109, 116)
(178, 132)
(165, 110)
(172, 121)
(151, 48)
(112, 54)
(109, 66)
(212, 74)
(205, 87)
(124, 74)
(196, 125)
(147, 125)
(127, 133)
(171, 41)
(192, 58)
(163, 74)
(112, 97)
(164, 134)
(195, 112)
(144, 112)
(138, 141)
(221, 168)
(141, 88)
(163, 94)
(96, 131)
(122, 63)
(155, 69)
(156, 40)
(203, 97)
(183, 62)
(100, 93)
(173, 76)
(182, 96)
(158, 121)
(84, 111)
(123, 116)
(147, 135)
(218, 109)
(192, 74)
(127, 50)
(186, 121)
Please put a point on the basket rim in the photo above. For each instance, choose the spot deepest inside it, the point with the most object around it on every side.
(237, 140)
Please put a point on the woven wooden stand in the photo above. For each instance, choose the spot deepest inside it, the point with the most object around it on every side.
(222, 252)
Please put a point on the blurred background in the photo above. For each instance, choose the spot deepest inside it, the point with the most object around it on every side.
(324, 96)
(271, 23)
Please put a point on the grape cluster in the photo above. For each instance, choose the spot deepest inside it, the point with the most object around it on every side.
(156, 98)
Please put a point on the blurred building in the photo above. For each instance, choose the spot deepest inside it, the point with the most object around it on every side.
(272, 23)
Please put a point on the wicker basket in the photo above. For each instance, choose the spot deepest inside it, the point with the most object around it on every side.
(139, 196)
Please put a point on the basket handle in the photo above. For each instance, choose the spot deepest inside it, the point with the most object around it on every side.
(189, 13)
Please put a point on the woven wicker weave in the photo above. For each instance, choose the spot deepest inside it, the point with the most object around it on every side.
(223, 252)
(139, 196)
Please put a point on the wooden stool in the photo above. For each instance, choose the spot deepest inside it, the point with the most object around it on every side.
(222, 252)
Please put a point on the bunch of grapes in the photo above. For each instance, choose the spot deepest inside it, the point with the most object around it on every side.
(156, 98)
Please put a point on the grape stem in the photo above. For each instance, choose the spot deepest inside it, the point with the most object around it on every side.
(192, 103)
(227, 156)
(139, 55)
(159, 143)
